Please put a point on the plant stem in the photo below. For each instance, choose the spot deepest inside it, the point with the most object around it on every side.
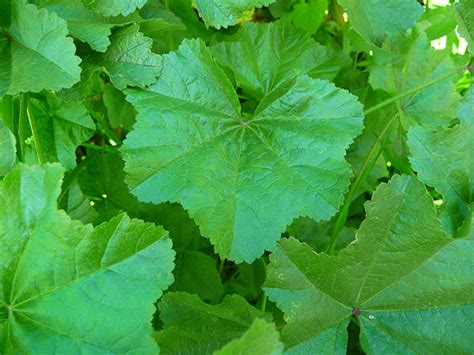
(413, 91)
(364, 171)
(101, 148)
(34, 132)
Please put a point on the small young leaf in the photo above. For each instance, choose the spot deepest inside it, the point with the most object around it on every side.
(129, 60)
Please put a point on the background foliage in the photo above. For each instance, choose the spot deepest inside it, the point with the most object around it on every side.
(294, 175)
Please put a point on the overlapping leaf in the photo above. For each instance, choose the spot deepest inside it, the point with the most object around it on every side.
(115, 7)
(194, 327)
(35, 52)
(7, 149)
(60, 128)
(404, 279)
(465, 16)
(375, 19)
(242, 179)
(129, 60)
(444, 159)
(261, 338)
(257, 70)
(399, 69)
(67, 287)
(223, 13)
(82, 23)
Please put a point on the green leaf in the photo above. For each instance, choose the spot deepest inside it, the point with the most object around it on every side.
(375, 19)
(438, 22)
(465, 17)
(163, 26)
(129, 60)
(466, 108)
(404, 279)
(308, 15)
(7, 149)
(36, 53)
(61, 127)
(257, 70)
(399, 69)
(115, 7)
(196, 273)
(77, 205)
(83, 24)
(223, 13)
(194, 327)
(119, 112)
(444, 159)
(261, 338)
(67, 287)
(216, 162)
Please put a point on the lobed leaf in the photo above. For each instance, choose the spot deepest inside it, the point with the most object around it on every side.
(67, 287)
(192, 145)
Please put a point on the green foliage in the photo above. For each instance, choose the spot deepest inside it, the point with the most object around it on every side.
(110, 275)
(292, 176)
(398, 247)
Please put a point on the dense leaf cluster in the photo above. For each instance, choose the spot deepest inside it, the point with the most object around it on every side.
(293, 175)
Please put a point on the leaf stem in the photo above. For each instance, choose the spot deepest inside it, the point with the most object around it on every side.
(364, 171)
(101, 148)
(34, 132)
(413, 91)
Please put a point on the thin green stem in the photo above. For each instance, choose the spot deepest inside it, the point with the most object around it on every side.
(35, 133)
(364, 171)
(102, 148)
(413, 91)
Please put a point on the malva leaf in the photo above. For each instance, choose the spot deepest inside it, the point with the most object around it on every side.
(404, 279)
(35, 52)
(67, 287)
(129, 60)
(444, 159)
(261, 338)
(465, 17)
(119, 112)
(398, 70)
(258, 71)
(61, 127)
(196, 272)
(375, 19)
(243, 179)
(115, 7)
(194, 327)
(223, 13)
(308, 15)
(164, 27)
(77, 205)
(82, 23)
(7, 149)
